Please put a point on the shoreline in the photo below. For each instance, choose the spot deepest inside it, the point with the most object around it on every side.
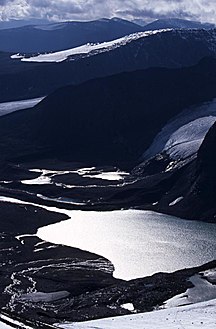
(43, 267)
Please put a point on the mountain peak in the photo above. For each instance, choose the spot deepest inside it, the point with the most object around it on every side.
(177, 23)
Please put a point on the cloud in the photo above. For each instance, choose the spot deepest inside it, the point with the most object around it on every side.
(203, 10)
(4, 2)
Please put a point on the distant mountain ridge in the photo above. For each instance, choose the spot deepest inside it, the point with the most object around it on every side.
(177, 23)
(16, 23)
(110, 119)
(32, 36)
(63, 35)
(175, 48)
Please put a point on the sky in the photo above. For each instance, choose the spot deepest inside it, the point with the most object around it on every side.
(148, 10)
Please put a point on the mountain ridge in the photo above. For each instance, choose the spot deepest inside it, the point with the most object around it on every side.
(176, 48)
(102, 108)
(63, 35)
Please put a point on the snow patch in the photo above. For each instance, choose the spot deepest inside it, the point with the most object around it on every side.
(9, 107)
(62, 200)
(14, 323)
(200, 315)
(17, 56)
(88, 48)
(201, 292)
(128, 306)
(47, 175)
(176, 201)
(210, 275)
(113, 176)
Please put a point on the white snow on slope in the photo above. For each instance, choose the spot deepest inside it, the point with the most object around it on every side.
(113, 176)
(14, 323)
(187, 140)
(210, 275)
(182, 136)
(47, 175)
(88, 48)
(201, 292)
(176, 201)
(4, 326)
(200, 315)
(9, 107)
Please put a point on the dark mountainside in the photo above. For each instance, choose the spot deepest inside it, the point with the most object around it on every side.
(197, 183)
(194, 182)
(110, 120)
(172, 49)
(59, 36)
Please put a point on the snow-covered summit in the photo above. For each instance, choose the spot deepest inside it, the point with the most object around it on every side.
(88, 49)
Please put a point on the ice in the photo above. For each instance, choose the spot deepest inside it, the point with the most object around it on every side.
(14, 323)
(47, 175)
(201, 292)
(9, 107)
(182, 136)
(128, 306)
(88, 48)
(187, 140)
(113, 176)
(176, 201)
(210, 275)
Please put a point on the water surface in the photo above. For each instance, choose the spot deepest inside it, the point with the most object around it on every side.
(138, 243)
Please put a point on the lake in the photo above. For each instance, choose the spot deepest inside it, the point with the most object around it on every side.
(138, 243)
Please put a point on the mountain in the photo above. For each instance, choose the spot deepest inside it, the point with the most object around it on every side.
(198, 184)
(14, 23)
(106, 120)
(63, 35)
(176, 23)
(32, 76)
(139, 21)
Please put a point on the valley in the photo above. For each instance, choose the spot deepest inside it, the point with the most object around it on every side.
(107, 183)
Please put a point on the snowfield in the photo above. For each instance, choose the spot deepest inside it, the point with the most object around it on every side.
(87, 49)
(14, 323)
(9, 107)
(182, 136)
(200, 315)
(4, 326)
(201, 292)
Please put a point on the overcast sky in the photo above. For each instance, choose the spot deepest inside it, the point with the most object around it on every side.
(148, 10)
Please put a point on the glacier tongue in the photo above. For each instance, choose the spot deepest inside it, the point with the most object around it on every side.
(187, 140)
(182, 136)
